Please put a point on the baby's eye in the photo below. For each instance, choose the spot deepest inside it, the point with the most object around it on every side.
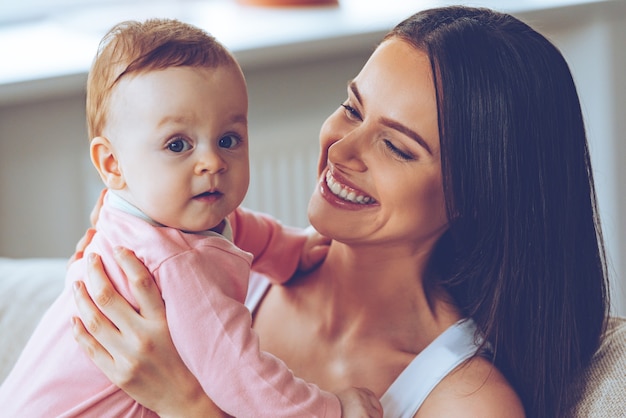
(228, 141)
(178, 145)
(351, 112)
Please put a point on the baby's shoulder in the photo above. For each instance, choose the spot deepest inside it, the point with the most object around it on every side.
(474, 389)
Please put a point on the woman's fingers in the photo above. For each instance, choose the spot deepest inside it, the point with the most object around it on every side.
(102, 341)
(83, 334)
(115, 311)
(110, 329)
(142, 285)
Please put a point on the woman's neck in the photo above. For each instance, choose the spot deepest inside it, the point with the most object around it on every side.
(362, 290)
(357, 320)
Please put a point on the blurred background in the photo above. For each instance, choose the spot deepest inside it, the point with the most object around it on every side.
(297, 61)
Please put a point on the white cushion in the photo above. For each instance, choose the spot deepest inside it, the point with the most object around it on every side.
(27, 287)
(600, 392)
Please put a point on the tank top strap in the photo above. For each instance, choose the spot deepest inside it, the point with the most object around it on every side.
(407, 393)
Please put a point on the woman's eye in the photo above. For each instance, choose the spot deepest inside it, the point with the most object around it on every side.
(179, 145)
(228, 141)
(351, 112)
(403, 155)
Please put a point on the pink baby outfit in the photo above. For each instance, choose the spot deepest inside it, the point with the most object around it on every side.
(203, 280)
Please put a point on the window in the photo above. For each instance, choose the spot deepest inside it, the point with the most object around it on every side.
(15, 12)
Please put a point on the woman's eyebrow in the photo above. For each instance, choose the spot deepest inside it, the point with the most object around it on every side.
(354, 89)
(406, 131)
(390, 123)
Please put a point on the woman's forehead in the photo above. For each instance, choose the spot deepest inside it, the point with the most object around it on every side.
(397, 83)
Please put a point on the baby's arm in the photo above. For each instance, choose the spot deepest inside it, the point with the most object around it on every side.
(212, 332)
(278, 249)
(314, 251)
(135, 348)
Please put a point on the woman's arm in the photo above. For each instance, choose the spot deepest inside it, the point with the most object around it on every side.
(134, 349)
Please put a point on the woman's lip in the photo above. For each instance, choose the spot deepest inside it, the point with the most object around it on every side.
(340, 179)
(332, 198)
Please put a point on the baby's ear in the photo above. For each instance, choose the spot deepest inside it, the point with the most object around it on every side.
(104, 159)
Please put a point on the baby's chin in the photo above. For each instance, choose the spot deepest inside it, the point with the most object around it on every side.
(194, 226)
(196, 229)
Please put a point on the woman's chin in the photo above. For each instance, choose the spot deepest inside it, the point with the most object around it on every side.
(333, 217)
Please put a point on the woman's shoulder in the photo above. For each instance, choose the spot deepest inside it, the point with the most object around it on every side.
(474, 389)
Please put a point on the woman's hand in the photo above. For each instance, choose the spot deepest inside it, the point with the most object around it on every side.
(135, 349)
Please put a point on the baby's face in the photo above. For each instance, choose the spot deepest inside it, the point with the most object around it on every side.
(181, 139)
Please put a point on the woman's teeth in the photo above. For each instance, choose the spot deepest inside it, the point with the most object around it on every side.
(346, 193)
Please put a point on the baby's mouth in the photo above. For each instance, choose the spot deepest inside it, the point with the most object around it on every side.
(347, 193)
(209, 194)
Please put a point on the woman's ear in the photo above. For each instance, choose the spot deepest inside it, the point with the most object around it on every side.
(104, 159)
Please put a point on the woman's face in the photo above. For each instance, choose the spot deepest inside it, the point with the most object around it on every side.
(380, 169)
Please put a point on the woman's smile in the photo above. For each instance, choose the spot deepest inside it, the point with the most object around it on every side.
(347, 193)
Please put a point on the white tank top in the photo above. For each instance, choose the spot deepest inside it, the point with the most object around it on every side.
(407, 393)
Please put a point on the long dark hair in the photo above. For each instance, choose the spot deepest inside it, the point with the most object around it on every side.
(523, 255)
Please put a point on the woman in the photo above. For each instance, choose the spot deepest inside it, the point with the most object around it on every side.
(455, 183)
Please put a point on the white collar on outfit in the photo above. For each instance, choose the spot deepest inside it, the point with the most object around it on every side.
(118, 202)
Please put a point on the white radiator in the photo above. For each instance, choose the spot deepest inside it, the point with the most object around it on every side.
(282, 179)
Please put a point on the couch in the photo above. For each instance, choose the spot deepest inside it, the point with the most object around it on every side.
(28, 287)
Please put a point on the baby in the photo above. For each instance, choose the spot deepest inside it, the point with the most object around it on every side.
(167, 113)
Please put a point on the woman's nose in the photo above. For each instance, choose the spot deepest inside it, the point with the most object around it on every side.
(348, 151)
(209, 162)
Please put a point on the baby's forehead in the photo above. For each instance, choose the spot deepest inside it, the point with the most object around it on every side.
(177, 90)
(129, 80)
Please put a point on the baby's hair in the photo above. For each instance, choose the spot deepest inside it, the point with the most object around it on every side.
(133, 47)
